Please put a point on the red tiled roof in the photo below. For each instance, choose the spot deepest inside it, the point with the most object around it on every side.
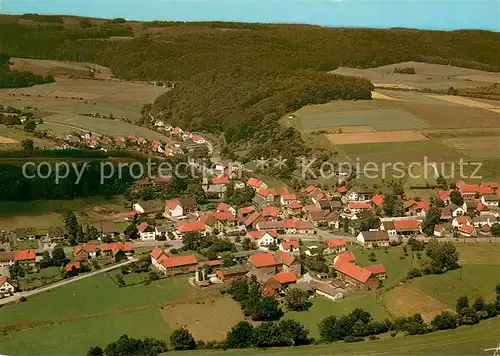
(223, 207)
(303, 225)
(468, 229)
(262, 260)
(438, 228)
(376, 269)
(245, 210)
(171, 204)
(358, 205)
(225, 216)
(289, 223)
(285, 277)
(177, 261)
(459, 184)
(191, 226)
(424, 204)
(309, 189)
(464, 220)
(289, 197)
(443, 195)
(409, 203)
(295, 205)
(25, 255)
(143, 226)
(87, 248)
(251, 218)
(254, 182)
(400, 225)
(270, 211)
(124, 246)
(354, 271)
(342, 189)
(484, 188)
(469, 188)
(378, 199)
(481, 207)
(346, 256)
(290, 244)
(336, 243)
(196, 137)
(69, 266)
(265, 192)
(220, 180)
(157, 253)
(258, 234)
(3, 279)
(283, 257)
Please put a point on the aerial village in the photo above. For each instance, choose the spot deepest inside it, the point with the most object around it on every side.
(282, 238)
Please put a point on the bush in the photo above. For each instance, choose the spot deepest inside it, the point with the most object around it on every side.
(393, 333)
(414, 273)
(23, 299)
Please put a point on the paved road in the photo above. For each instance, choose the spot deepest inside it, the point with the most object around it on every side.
(16, 296)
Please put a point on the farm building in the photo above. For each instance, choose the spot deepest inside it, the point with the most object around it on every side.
(335, 246)
(370, 238)
(231, 273)
(84, 252)
(356, 276)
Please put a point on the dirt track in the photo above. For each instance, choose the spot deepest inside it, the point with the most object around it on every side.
(375, 137)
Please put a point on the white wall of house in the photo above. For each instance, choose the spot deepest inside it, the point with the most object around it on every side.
(337, 296)
(6, 289)
(137, 207)
(176, 212)
(266, 240)
(147, 235)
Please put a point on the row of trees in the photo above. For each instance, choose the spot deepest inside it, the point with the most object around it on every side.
(352, 327)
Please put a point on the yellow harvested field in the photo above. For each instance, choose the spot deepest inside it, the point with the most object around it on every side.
(375, 137)
(464, 101)
(208, 320)
(377, 95)
(495, 110)
(7, 140)
(409, 299)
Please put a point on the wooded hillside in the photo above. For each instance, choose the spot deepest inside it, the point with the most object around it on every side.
(240, 78)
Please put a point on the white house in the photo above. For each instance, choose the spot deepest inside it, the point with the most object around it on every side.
(146, 231)
(490, 200)
(335, 246)
(291, 247)
(460, 221)
(263, 238)
(174, 208)
(389, 227)
(369, 238)
(6, 287)
(288, 199)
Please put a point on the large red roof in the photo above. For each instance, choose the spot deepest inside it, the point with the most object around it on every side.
(358, 205)
(245, 210)
(177, 261)
(469, 188)
(262, 259)
(191, 226)
(376, 269)
(259, 234)
(223, 207)
(251, 218)
(124, 246)
(283, 257)
(295, 205)
(254, 182)
(220, 180)
(89, 248)
(270, 211)
(224, 216)
(25, 255)
(157, 253)
(336, 243)
(290, 244)
(378, 199)
(443, 195)
(285, 277)
(468, 229)
(354, 271)
(346, 256)
(406, 225)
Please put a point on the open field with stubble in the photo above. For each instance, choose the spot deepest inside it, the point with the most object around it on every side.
(466, 340)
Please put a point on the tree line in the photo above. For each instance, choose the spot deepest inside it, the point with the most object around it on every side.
(19, 79)
(352, 327)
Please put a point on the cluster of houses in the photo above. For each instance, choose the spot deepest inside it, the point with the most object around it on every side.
(278, 211)
(29, 260)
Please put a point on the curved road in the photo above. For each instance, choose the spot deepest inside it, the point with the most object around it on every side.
(17, 296)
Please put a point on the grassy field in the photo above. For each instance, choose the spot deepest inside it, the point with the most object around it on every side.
(76, 337)
(323, 307)
(91, 296)
(466, 340)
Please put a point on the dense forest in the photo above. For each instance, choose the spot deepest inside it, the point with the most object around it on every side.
(15, 186)
(19, 79)
(241, 81)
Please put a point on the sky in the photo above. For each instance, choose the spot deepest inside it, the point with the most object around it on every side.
(426, 14)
